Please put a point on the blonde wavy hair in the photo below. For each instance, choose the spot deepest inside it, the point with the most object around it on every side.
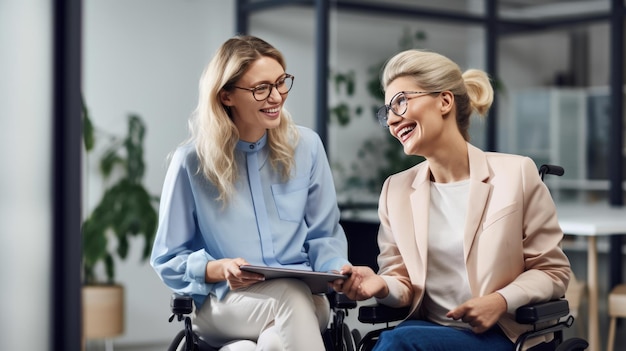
(472, 89)
(213, 132)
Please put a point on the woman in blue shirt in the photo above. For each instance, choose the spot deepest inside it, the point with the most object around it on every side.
(250, 187)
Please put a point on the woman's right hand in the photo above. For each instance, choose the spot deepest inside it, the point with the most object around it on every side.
(228, 269)
(362, 283)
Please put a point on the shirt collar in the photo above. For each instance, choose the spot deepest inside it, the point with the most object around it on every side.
(252, 147)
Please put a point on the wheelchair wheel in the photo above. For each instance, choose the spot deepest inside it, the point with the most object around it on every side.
(340, 338)
(356, 336)
(177, 340)
(574, 344)
(348, 342)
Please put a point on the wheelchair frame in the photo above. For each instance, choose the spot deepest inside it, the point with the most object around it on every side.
(338, 337)
(182, 306)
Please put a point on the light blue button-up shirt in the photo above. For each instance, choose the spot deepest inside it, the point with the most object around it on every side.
(267, 221)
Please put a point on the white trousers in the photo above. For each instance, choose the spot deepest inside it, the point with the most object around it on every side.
(273, 315)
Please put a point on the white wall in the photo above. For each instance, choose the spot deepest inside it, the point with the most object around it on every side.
(146, 56)
(25, 187)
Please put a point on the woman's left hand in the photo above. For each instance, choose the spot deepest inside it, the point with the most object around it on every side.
(481, 313)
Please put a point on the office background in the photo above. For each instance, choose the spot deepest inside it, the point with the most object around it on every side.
(146, 56)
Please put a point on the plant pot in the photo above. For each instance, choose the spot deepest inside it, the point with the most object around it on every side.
(103, 311)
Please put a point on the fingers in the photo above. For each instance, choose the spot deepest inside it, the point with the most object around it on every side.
(344, 285)
(361, 284)
(338, 284)
(346, 270)
(456, 313)
(480, 313)
(465, 315)
(351, 286)
(237, 278)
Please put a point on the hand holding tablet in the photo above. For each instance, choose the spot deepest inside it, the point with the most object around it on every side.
(317, 281)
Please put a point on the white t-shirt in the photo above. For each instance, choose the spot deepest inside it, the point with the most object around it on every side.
(446, 277)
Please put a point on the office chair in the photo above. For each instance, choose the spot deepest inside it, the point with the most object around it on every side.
(338, 337)
(363, 250)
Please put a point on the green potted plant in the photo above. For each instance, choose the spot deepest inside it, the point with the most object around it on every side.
(126, 209)
(381, 155)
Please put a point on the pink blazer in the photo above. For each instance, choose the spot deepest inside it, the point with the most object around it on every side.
(512, 236)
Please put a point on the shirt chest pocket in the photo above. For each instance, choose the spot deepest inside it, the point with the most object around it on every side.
(290, 199)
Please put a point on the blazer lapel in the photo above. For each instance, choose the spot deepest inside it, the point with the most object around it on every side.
(420, 202)
(479, 193)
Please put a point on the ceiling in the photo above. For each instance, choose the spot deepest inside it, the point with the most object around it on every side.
(527, 9)
(526, 3)
(534, 9)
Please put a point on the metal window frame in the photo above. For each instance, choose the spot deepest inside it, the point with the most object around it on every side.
(66, 248)
(494, 28)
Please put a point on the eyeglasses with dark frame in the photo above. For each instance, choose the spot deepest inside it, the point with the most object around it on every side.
(398, 105)
(263, 91)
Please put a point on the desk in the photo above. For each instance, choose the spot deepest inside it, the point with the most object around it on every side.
(592, 221)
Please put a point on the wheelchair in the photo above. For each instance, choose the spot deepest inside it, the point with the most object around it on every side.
(338, 337)
(547, 318)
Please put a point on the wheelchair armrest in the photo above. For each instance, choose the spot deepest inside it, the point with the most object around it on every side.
(377, 313)
(527, 314)
(542, 312)
(341, 301)
(181, 304)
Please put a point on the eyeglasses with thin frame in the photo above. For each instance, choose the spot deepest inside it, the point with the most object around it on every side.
(263, 91)
(398, 105)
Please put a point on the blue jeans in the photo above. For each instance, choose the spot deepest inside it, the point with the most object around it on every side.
(419, 335)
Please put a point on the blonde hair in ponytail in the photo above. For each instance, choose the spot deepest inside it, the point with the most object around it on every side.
(472, 89)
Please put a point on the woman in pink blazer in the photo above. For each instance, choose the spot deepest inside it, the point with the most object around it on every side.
(467, 236)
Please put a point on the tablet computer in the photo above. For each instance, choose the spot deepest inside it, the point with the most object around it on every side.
(317, 281)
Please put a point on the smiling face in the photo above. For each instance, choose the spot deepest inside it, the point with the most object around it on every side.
(421, 127)
(252, 118)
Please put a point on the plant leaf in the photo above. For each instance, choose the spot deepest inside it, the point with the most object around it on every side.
(88, 131)
(125, 209)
